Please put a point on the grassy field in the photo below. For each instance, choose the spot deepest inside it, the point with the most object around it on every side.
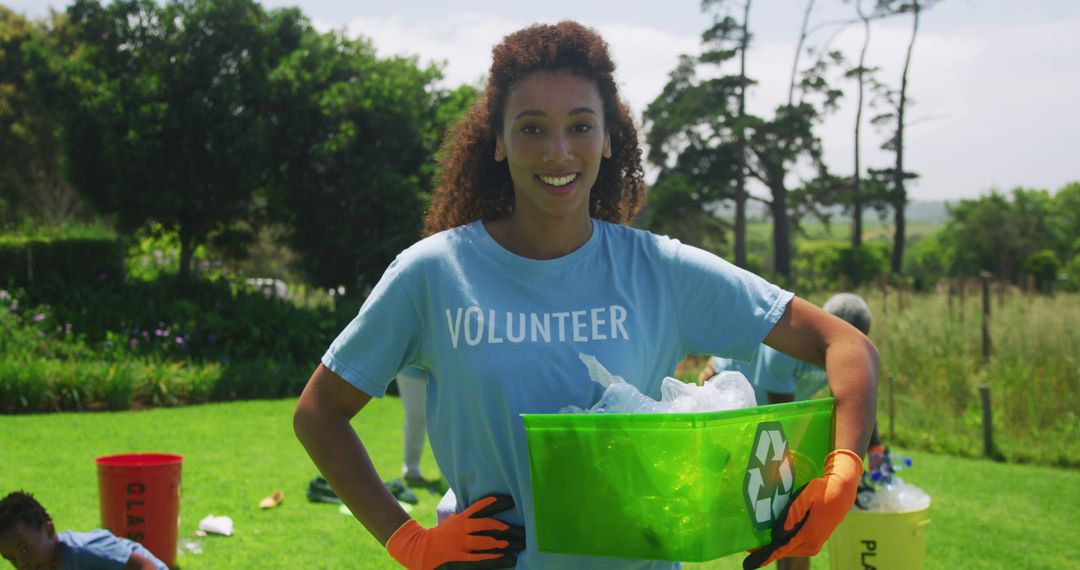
(931, 351)
(931, 354)
(985, 514)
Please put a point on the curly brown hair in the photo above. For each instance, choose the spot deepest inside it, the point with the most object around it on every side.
(473, 186)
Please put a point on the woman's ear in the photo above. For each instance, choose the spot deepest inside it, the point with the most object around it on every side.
(607, 145)
(500, 152)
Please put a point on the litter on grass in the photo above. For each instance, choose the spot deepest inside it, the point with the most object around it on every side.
(273, 500)
(192, 546)
(222, 525)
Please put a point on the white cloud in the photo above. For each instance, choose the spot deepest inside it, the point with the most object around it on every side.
(463, 42)
(644, 57)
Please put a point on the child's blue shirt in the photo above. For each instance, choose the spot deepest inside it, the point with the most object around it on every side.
(99, 549)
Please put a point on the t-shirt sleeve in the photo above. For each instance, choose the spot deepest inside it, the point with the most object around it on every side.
(722, 309)
(97, 549)
(383, 338)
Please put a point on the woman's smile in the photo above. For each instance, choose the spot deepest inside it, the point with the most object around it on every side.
(558, 185)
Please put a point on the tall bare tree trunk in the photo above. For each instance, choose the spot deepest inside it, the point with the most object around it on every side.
(856, 190)
(781, 229)
(899, 192)
(798, 52)
(740, 181)
(187, 253)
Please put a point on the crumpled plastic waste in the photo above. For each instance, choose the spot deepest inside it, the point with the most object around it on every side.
(897, 497)
(883, 491)
(217, 525)
(725, 391)
(192, 546)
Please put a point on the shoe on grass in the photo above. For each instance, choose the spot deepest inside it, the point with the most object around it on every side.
(401, 492)
(421, 483)
(319, 491)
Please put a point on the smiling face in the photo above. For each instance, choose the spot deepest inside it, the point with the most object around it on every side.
(553, 138)
(26, 547)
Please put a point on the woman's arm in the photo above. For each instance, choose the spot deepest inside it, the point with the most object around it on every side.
(850, 361)
(321, 423)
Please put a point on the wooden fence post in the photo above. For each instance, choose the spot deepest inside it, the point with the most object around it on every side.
(949, 291)
(892, 412)
(884, 283)
(988, 424)
(963, 296)
(986, 318)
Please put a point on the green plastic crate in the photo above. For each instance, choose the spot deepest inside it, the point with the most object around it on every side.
(682, 487)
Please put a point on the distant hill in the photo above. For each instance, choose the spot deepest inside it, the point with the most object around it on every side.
(926, 211)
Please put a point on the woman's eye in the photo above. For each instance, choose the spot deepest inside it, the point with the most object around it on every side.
(530, 129)
(581, 128)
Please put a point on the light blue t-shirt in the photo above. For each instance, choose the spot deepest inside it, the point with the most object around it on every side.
(99, 549)
(770, 370)
(500, 335)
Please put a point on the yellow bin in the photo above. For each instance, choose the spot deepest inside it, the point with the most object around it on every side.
(881, 541)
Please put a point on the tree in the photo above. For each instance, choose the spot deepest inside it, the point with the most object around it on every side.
(353, 153)
(694, 133)
(992, 233)
(899, 192)
(1065, 219)
(859, 72)
(31, 182)
(740, 145)
(896, 196)
(163, 110)
(704, 141)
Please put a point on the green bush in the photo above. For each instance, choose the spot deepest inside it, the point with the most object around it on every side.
(1072, 283)
(154, 253)
(1043, 265)
(204, 320)
(26, 260)
(46, 365)
(859, 265)
(823, 264)
(47, 385)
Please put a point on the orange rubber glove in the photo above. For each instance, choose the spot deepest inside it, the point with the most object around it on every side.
(472, 537)
(813, 512)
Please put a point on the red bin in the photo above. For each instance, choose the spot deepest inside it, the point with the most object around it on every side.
(140, 499)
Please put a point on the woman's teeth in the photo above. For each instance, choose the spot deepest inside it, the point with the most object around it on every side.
(559, 180)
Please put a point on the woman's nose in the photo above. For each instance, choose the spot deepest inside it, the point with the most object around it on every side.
(558, 148)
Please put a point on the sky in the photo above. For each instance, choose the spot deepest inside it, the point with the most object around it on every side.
(995, 84)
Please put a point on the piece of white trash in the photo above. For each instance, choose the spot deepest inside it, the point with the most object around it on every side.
(217, 525)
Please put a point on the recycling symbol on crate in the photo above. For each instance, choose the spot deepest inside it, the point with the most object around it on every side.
(770, 475)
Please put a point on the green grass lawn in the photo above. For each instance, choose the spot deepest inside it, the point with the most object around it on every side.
(984, 515)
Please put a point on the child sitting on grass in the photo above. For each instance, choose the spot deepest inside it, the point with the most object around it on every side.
(28, 539)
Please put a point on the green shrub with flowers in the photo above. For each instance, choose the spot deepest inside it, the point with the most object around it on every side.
(150, 339)
(154, 343)
(45, 365)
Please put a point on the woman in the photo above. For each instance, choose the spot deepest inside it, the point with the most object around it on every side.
(525, 267)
